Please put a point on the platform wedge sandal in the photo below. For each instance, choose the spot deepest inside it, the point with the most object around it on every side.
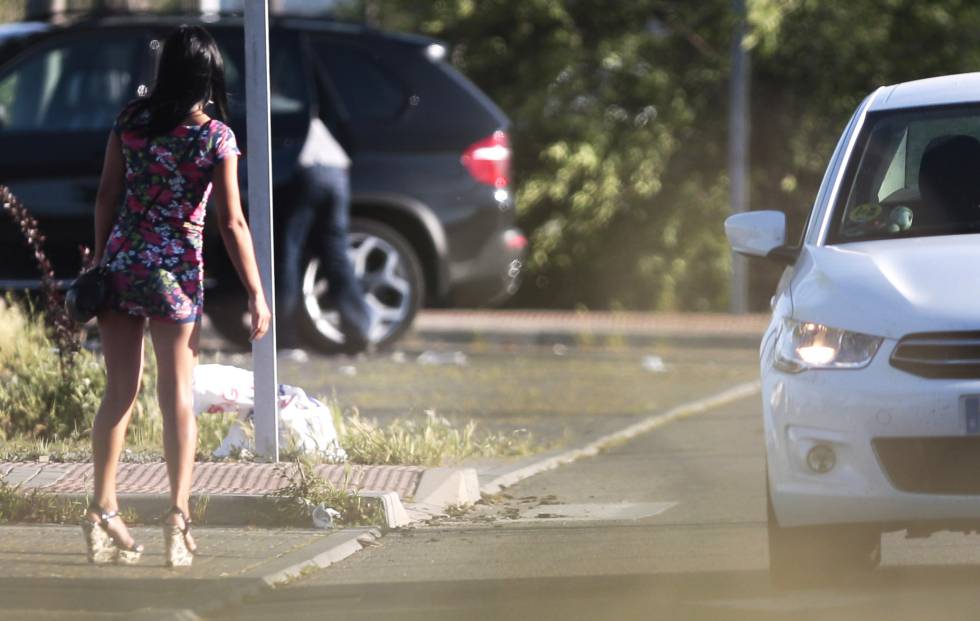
(102, 548)
(178, 553)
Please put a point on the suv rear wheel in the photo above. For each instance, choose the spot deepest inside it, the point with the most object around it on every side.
(814, 555)
(390, 275)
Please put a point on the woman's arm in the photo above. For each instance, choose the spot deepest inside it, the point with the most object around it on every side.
(111, 187)
(238, 241)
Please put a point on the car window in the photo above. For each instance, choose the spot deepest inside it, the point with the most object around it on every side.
(289, 91)
(80, 84)
(368, 91)
(916, 175)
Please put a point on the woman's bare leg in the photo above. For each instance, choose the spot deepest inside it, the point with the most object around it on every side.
(176, 347)
(122, 349)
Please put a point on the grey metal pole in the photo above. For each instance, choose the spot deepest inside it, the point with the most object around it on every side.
(259, 160)
(738, 150)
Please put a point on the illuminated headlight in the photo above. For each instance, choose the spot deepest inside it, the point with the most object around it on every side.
(804, 345)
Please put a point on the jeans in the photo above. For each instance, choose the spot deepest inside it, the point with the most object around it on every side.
(322, 196)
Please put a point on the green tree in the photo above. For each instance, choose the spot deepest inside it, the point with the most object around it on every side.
(616, 114)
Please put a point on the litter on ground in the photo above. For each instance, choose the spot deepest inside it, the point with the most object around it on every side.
(305, 424)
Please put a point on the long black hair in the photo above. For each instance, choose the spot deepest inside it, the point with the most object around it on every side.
(190, 72)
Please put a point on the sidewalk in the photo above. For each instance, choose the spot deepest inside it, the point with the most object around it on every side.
(584, 327)
(44, 573)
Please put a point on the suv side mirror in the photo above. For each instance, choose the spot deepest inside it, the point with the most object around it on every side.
(759, 234)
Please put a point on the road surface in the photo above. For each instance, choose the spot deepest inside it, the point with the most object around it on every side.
(668, 526)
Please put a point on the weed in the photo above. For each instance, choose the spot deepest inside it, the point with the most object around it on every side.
(62, 328)
(199, 508)
(36, 506)
(307, 490)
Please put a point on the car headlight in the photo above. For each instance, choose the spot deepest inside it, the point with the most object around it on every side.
(805, 345)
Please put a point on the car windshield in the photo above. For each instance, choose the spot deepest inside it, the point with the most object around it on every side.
(917, 174)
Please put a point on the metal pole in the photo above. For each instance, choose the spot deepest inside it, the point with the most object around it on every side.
(738, 150)
(259, 160)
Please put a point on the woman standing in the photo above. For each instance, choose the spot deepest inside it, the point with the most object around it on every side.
(164, 157)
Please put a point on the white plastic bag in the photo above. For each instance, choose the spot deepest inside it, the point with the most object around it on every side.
(221, 388)
(305, 424)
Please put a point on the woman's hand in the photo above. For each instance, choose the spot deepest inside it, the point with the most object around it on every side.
(260, 317)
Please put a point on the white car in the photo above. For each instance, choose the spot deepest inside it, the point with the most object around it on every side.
(871, 364)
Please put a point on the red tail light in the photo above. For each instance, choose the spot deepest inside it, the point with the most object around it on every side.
(488, 160)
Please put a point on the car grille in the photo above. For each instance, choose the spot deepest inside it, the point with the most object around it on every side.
(931, 465)
(942, 354)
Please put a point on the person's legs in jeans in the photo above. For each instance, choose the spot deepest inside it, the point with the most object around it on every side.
(289, 260)
(345, 290)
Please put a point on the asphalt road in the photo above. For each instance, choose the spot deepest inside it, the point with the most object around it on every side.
(691, 544)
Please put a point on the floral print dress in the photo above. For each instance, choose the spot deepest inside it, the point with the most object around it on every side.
(155, 250)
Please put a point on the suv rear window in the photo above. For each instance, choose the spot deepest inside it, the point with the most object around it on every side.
(916, 176)
(76, 84)
(289, 92)
(368, 91)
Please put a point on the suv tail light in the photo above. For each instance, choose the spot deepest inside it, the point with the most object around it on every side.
(488, 160)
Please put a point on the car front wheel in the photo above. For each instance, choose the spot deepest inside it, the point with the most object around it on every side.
(814, 555)
(391, 279)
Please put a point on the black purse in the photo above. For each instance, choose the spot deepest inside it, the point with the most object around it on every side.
(86, 295)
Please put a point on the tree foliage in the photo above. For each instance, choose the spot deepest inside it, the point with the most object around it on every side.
(619, 114)
(616, 144)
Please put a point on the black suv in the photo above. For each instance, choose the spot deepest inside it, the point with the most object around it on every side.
(432, 218)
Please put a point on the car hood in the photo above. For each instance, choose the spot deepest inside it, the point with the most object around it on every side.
(891, 288)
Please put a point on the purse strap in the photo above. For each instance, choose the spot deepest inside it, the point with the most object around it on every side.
(106, 258)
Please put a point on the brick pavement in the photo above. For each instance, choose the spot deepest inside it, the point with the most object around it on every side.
(210, 478)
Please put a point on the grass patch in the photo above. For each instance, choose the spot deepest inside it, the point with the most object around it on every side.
(47, 409)
(430, 440)
(307, 490)
(45, 400)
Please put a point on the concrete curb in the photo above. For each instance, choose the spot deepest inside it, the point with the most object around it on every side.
(239, 509)
(575, 339)
(549, 462)
(447, 486)
(321, 554)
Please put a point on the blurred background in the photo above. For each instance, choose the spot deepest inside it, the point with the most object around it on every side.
(620, 119)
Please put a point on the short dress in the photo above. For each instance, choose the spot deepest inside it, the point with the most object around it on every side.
(154, 253)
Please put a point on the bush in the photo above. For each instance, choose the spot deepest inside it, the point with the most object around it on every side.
(42, 398)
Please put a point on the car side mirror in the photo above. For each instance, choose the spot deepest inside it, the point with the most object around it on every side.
(760, 234)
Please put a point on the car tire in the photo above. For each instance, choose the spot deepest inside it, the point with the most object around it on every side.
(391, 276)
(817, 555)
